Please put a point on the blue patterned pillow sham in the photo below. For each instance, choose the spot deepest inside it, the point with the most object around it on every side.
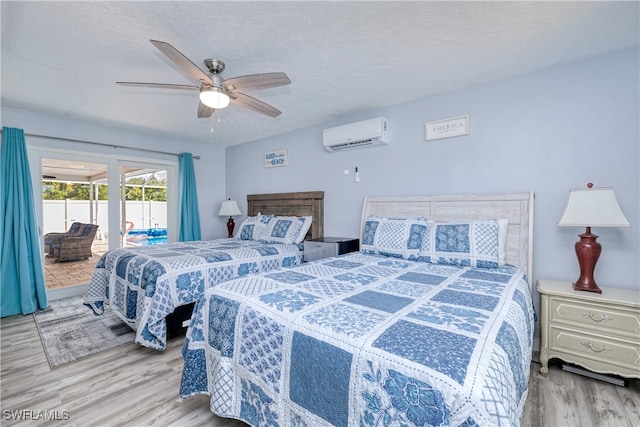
(464, 243)
(396, 237)
(282, 229)
(253, 227)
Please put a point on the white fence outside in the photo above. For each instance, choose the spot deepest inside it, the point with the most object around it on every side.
(60, 214)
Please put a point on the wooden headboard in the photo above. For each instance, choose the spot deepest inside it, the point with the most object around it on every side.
(517, 208)
(304, 203)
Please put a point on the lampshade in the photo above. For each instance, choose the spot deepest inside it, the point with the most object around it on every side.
(593, 207)
(213, 97)
(229, 208)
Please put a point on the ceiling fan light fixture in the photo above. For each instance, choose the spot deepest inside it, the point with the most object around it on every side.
(213, 97)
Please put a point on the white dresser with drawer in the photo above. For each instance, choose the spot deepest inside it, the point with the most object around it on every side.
(600, 332)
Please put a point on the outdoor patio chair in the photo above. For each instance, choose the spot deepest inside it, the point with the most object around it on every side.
(52, 238)
(77, 246)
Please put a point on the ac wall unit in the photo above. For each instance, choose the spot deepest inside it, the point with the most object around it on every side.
(366, 133)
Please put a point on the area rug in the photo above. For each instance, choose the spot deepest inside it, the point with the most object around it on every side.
(70, 331)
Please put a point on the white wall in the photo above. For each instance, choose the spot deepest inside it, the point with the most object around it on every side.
(547, 131)
(209, 169)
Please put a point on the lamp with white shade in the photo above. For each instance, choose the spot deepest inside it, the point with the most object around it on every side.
(229, 208)
(591, 207)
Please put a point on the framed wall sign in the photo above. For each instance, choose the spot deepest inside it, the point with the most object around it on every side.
(447, 128)
(275, 158)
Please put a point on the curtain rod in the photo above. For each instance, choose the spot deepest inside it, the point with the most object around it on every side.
(104, 145)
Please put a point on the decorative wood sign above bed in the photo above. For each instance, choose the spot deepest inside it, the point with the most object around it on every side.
(447, 128)
(275, 158)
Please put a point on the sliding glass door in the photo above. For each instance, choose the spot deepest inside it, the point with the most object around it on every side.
(132, 202)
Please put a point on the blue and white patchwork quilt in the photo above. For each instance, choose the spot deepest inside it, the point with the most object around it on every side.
(364, 340)
(144, 284)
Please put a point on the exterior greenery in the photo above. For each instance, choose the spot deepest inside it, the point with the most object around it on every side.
(77, 191)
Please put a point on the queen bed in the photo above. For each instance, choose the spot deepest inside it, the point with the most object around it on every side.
(145, 284)
(431, 323)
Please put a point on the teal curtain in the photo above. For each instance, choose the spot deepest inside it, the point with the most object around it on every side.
(22, 285)
(189, 215)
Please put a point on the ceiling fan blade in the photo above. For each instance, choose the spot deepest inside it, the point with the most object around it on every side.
(256, 81)
(253, 104)
(204, 111)
(184, 63)
(159, 85)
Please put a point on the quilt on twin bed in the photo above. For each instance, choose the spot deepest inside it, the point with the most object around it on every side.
(364, 340)
(146, 283)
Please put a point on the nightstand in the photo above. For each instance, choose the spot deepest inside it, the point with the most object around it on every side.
(600, 332)
(329, 246)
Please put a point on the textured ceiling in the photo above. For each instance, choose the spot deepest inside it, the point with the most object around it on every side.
(342, 57)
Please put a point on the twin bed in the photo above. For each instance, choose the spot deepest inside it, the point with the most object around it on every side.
(144, 285)
(431, 323)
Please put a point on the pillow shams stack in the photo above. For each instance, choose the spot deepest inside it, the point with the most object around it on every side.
(466, 243)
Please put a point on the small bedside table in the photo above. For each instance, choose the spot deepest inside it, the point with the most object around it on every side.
(329, 246)
(600, 332)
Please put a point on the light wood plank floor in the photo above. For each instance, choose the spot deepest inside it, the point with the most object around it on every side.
(114, 388)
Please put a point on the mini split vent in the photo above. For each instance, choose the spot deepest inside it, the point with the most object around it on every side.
(366, 133)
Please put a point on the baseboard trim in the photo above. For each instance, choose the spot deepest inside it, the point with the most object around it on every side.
(586, 373)
(67, 292)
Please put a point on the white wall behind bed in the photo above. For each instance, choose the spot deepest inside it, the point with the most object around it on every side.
(546, 131)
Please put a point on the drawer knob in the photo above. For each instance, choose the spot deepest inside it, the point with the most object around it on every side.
(596, 350)
(598, 318)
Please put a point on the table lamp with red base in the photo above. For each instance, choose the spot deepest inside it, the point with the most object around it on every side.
(230, 208)
(591, 207)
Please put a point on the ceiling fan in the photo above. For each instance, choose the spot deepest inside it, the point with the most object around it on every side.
(216, 92)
